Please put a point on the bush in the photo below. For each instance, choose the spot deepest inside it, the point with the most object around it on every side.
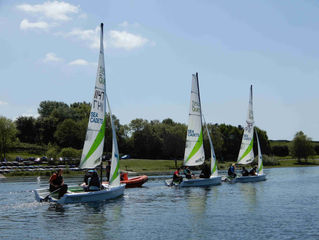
(70, 153)
(280, 150)
(52, 152)
(270, 161)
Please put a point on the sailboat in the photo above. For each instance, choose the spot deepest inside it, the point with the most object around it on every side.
(93, 148)
(194, 150)
(246, 153)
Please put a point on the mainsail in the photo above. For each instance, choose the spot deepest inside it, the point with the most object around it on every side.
(246, 153)
(94, 140)
(260, 168)
(213, 161)
(194, 150)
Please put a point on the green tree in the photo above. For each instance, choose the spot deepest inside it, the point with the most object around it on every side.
(70, 134)
(301, 146)
(47, 107)
(26, 129)
(8, 133)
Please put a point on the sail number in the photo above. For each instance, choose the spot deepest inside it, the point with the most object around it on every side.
(191, 133)
(195, 106)
(95, 118)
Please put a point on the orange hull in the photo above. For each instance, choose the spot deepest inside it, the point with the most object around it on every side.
(135, 181)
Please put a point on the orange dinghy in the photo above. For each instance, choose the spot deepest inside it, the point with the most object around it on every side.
(133, 182)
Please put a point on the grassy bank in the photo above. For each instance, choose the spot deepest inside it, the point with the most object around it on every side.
(164, 166)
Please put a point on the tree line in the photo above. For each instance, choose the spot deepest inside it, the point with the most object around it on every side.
(63, 127)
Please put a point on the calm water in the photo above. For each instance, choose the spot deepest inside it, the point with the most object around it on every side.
(286, 206)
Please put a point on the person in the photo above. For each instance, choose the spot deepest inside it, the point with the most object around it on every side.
(57, 183)
(177, 178)
(253, 171)
(108, 170)
(244, 172)
(205, 173)
(188, 173)
(91, 181)
(231, 171)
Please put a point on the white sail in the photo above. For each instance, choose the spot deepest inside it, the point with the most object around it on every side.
(94, 140)
(246, 153)
(115, 160)
(260, 168)
(213, 161)
(194, 150)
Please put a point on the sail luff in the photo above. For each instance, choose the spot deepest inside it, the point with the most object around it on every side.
(246, 153)
(94, 140)
(260, 168)
(194, 151)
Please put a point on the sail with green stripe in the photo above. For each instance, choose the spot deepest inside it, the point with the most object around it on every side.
(94, 140)
(115, 159)
(246, 153)
(260, 167)
(194, 150)
(213, 160)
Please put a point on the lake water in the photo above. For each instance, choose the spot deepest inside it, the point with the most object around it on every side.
(286, 206)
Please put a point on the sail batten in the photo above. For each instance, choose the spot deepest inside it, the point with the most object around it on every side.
(194, 150)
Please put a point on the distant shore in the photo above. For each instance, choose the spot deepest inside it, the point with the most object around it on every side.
(151, 167)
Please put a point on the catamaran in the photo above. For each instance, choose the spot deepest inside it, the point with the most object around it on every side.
(194, 150)
(93, 148)
(246, 153)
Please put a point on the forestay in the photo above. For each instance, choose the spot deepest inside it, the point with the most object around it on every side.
(94, 140)
(194, 150)
(246, 153)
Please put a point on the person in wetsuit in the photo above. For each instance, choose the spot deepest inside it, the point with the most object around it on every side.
(57, 183)
(188, 173)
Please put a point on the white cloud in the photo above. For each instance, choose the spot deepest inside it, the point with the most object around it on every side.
(80, 62)
(51, 57)
(55, 10)
(25, 24)
(123, 39)
(123, 24)
(127, 24)
(3, 103)
(90, 36)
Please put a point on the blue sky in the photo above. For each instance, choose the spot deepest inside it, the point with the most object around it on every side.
(49, 52)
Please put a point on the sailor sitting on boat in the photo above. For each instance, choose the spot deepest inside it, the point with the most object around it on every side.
(244, 172)
(91, 181)
(231, 171)
(188, 173)
(253, 171)
(57, 183)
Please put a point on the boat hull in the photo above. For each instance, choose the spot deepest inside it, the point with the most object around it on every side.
(133, 182)
(82, 197)
(246, 179)
(198, 182)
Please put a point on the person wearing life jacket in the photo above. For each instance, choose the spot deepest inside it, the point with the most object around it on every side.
(57, 183)
(188, 173)
(231, 171)
(205, 173)
(253, 171)
(177, 178)
(91, 181)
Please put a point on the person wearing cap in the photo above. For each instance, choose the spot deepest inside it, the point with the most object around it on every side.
(57, 183)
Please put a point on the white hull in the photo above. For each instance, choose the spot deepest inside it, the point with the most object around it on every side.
(82, 197)
(245, 179)
(198, 182)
